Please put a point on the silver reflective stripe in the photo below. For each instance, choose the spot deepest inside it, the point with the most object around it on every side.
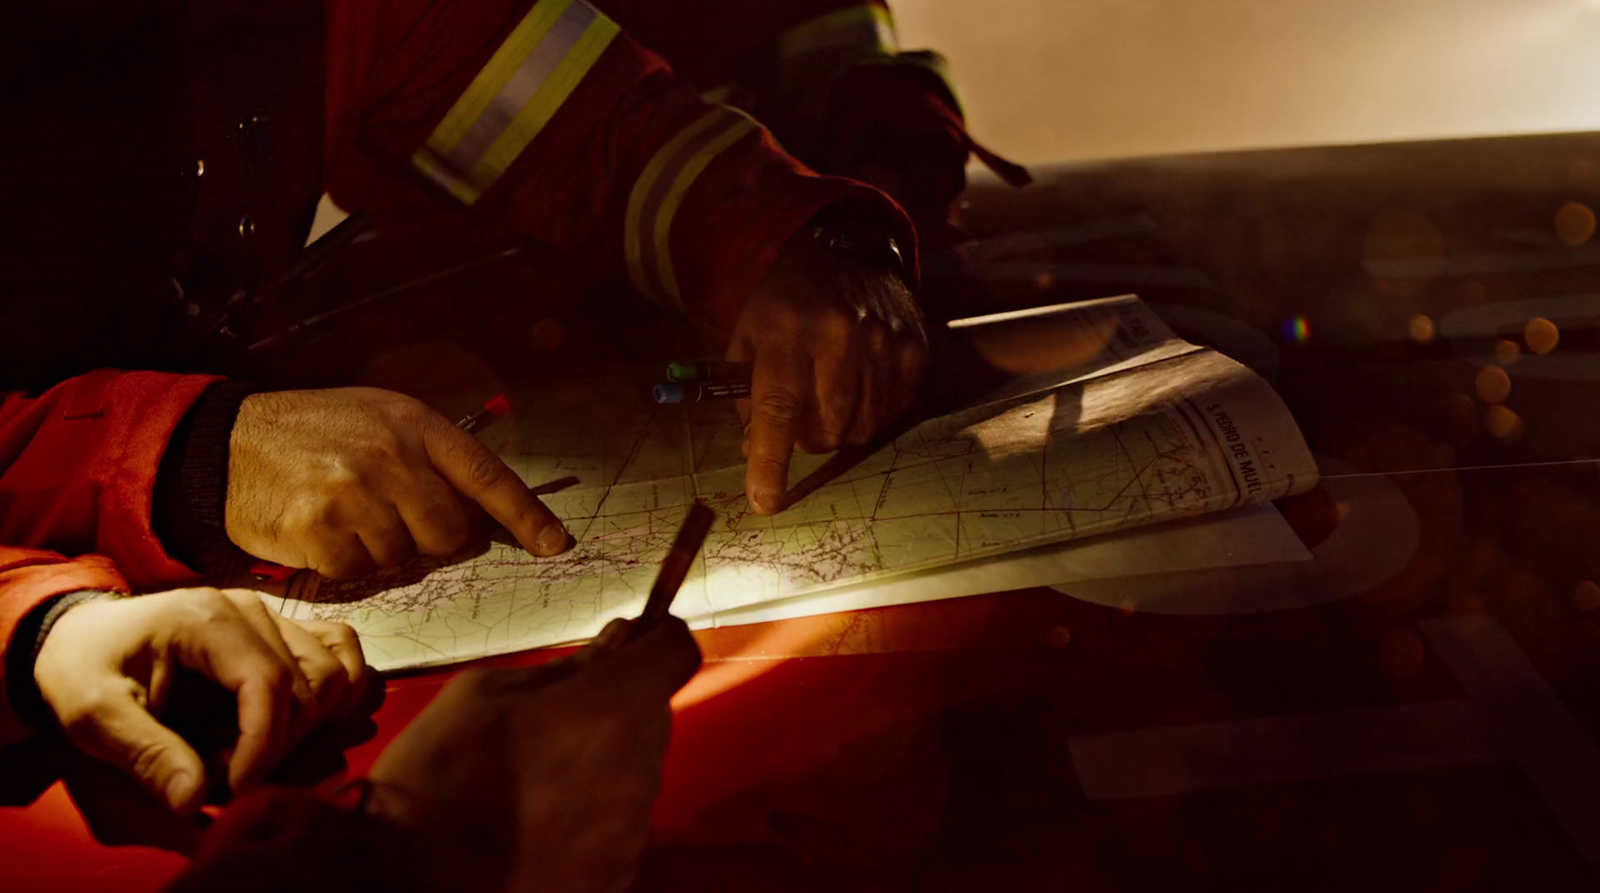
(535, 69)
(518, 91)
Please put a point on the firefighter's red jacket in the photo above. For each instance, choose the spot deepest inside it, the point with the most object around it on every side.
(558, 120)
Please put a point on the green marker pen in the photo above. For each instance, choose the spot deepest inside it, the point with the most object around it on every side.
(707, 370)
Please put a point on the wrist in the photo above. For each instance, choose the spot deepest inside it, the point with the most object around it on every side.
(860, 235)
(22, 686)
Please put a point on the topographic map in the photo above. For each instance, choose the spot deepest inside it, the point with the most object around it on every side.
(1155, 428)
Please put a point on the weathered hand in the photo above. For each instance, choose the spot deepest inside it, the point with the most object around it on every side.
(542, 778)
(107, 667)
(838, 351)
(351, 480)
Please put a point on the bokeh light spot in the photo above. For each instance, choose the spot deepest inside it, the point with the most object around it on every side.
(1422, 329)
(1575, 223)
(1541, 335)
(1502, 423)
(1507, 351)
(1058, 637)
(1493, 384)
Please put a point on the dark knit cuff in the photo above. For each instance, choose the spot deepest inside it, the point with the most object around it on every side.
(22, 691)
(192, 483)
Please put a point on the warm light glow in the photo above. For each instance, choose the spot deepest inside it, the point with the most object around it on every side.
(766, 651)
(1422, 329)
(1170, 77)
(1502, 423)
(1575, 223)
(1507, 352)
(1541, 335)
(719, 676)
(1493, 384)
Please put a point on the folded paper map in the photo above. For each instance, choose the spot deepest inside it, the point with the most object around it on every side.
(1152, 429)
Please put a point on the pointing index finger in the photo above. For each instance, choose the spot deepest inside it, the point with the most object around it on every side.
(477, 473)
(778, 386)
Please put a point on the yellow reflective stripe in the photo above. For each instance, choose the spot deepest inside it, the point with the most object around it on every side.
(494, 76)
(538, 112)
(516, 94)
(680, 189)
(633, 243)
(660, 191)
(438, 173)
(866, 27)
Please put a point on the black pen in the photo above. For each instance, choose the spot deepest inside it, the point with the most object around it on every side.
(682, 371)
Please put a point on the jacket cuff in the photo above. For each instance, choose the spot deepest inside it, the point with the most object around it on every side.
(22, 691)
(192, 483)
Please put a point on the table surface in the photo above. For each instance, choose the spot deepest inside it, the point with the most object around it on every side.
(1430, 724)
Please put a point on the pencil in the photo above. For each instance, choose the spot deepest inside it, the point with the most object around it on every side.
(675, 567)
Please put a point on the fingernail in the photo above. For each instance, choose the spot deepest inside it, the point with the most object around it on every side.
(553, 540)
(767, 500)
(180, 788)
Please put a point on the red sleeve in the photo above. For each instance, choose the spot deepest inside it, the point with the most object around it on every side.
(542, 117)
(77, 477)
(846, 97)
(28, 578)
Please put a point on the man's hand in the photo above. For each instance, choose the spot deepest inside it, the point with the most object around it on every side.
(838, 351)
(542, 778)
(107, 667)
(351, 480)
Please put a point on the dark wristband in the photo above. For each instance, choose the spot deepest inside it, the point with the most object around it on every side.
(862, 233)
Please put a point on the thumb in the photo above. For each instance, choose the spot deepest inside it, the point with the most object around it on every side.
(657, 661)
(120, 731)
